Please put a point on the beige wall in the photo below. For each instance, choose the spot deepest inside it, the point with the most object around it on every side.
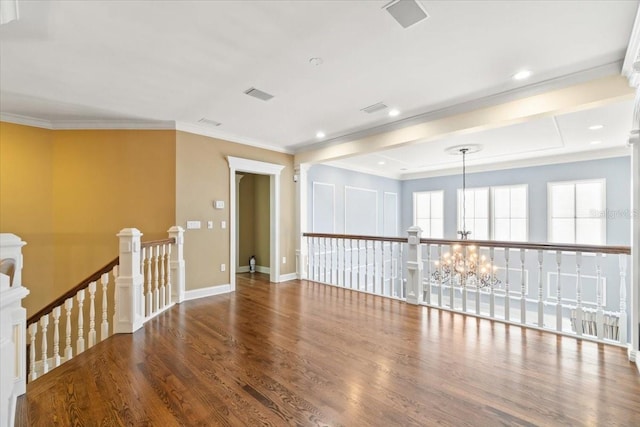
(202, 176)
(67, 193)
(254, 219)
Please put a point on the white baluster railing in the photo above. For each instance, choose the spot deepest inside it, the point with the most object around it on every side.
(162, 267)
(579, 291)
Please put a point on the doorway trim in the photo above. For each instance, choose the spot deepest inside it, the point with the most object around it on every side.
(238, 164)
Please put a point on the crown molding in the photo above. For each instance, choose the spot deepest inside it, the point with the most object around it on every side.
(632, 56)
(203, 130)
(363, 170)
(25, 120)
(578, 156)
(113, 125)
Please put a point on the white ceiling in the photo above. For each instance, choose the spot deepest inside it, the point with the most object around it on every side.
(132, 61)
(559, 136)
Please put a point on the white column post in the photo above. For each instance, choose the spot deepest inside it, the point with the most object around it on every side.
(129, 315)
(13, 319)
(176, 265)
(631, 70)
(300, 178)
(414, 266)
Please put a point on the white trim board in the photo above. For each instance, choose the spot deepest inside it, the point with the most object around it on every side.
(287, 277)
(346, 189)
(313, 205)
(237, 164)
(206, 292)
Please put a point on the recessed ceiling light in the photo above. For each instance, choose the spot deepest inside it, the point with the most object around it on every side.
(394, 112)
(595, 142)
(320, 134)
(316, 61)
(381, 162)
(522, 75)
(403, 169)
(596, 127)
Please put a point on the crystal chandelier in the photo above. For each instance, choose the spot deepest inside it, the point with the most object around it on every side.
(463, 266)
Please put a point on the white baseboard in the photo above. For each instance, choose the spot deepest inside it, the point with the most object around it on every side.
(287, 277)
(259, 269)
(207, 292)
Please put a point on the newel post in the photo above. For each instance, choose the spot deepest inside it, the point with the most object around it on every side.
(129, 314)
(13, 318)
(176, 264)
(414, 266)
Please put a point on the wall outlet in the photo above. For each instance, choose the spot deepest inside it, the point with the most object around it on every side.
(223, 267)
(209, 225)
(284, 259)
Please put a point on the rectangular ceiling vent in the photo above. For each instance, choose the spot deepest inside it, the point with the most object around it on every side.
(375, 107)
(209, 122)
(257, 93)
(406, 12)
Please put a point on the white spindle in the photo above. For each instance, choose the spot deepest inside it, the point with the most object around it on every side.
(507, 286)
(427, 296)
(163, 289)
(440, 276)
(92, 314)
(478, 283)
(56, 336)
(463, 278)
(451, 283)
(68, 350)
(366, 265)
(156, 300)
(579, 326)
(359, 263)
(492, 294)
(145, 261)
(523, 290)
(168, 270)
(622, 262)
(44, 322)
(33, 331)
(540, 290)
(115, 294)
(401, 268)
(559, 292)
(80, 342)
(599, 308)
(104, 332)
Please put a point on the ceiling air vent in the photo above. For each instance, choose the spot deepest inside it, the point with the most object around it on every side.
(375, 107)
(406, 12)
(209, 122)
(257, 93)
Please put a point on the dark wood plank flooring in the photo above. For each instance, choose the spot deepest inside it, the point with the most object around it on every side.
(305, 354)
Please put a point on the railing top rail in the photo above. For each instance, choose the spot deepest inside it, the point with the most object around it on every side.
(73, 291)
(552, 247)
(357, 237)
(488, 243)
(150, 243)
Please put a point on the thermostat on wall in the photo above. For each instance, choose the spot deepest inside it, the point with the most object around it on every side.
(218, 204)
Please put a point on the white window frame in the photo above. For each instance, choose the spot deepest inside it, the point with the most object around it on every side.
(526, 209)
(603, 206)
(428, 233)
(459, 210)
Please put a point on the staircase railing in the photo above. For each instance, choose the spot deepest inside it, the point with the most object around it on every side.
(576, 290)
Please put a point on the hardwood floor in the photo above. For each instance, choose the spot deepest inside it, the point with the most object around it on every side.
(305, 354)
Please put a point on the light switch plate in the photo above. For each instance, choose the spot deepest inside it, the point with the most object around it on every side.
(219, 204)
(209, 225)
(223, 224)
(193, 225)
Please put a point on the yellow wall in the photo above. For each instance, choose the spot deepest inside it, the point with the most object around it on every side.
(106, 180)
(254, 219)
(202, 176)
(26, 203)
(68, 193)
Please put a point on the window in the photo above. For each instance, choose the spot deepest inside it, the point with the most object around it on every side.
(428, 213)
(476, 212)
(509, 213)
(576, 212)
